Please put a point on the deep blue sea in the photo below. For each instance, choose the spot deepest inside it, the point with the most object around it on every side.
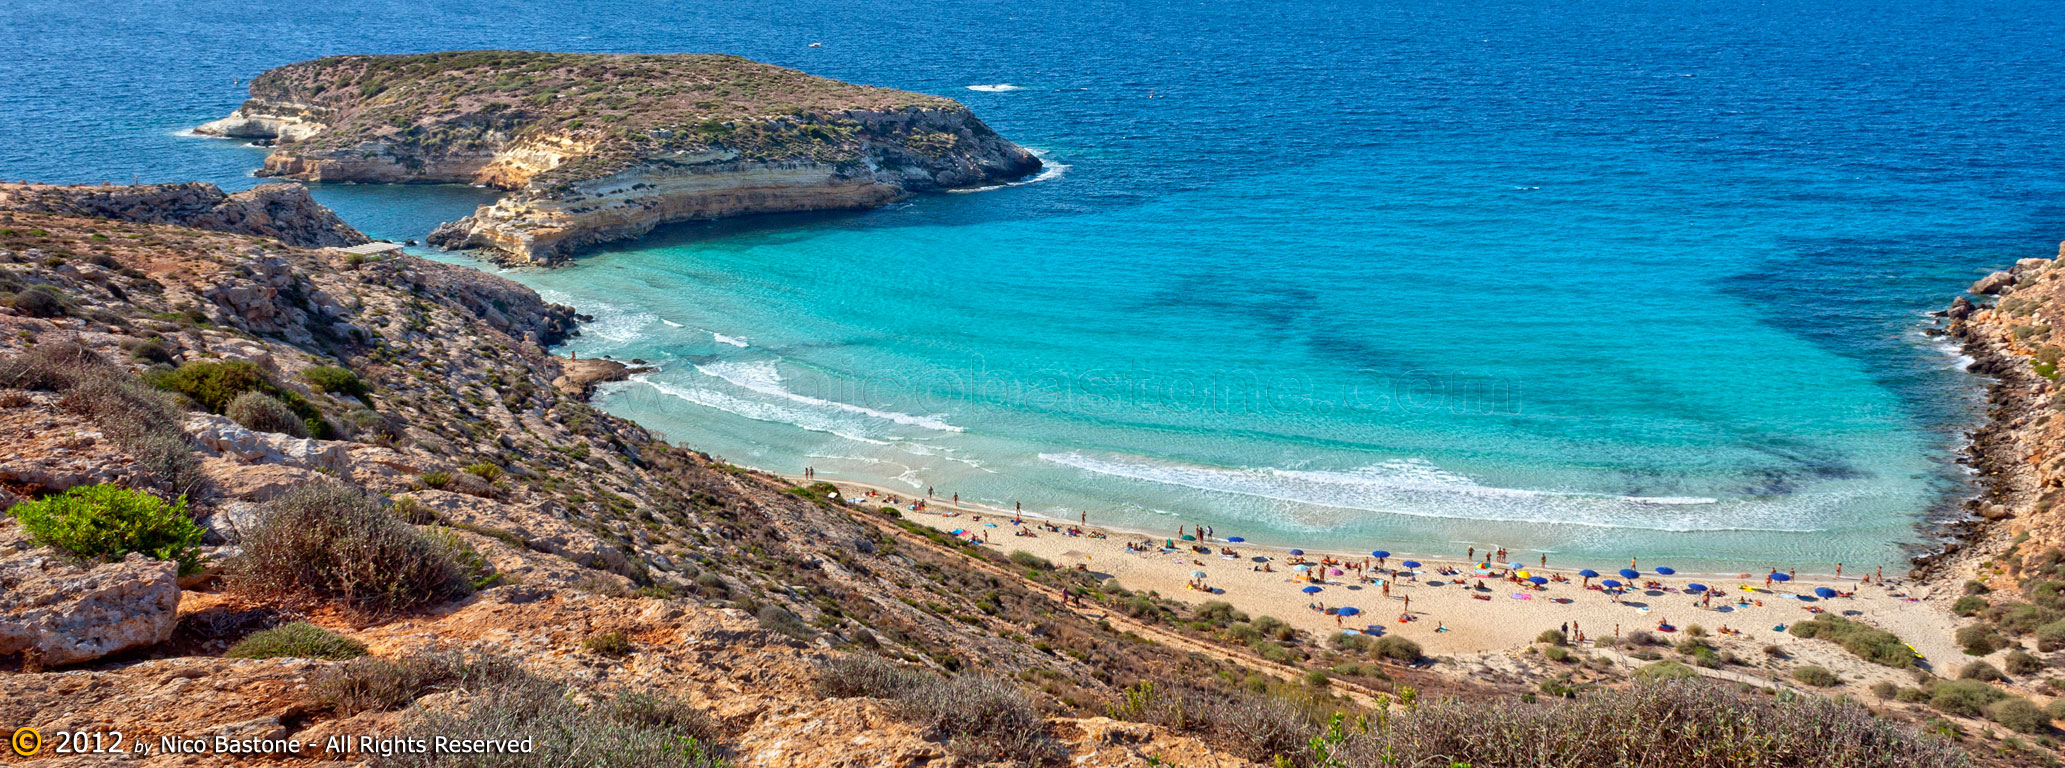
(1598, 279)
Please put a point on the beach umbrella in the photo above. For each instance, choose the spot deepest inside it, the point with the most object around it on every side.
(1197, 574)
(1588, 573)
(1310, 590)
(1297, 551)
(1301, 567)
(1824, 592)
(1610, 584)
(1235, 538)
(1524, 574)
(1538, 580)
(1775, 576)
(1349, 611)
(1334, 571)
(1695, 587)
(1515, 566)
(1666, 571)
(1412, 563)
(1188, 537)
(1380, 554)
(1629, 573)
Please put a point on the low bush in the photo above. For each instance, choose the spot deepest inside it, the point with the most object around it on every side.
(334, 380)
(1884, 689)
(1398, 649)
(1666, 670)
(107, 522)
(980, 718)
(39, 301)
(1253, 725)
(2051, 637)
(261, 412)
(1963, 697)
(1867, 642)
(1032, 561)
(1817, 677)
(1552, 637)
(1969, 605)
(1981, 671)
(214, 384)
(142, 421)
(484, 471)
(1346, 641)
(627, 730)
(327, 541)
(2055, 709)
(299, 640)
(373, 684)
(778, 619)
(613, 644)
(1650, 721)
(2021, 662)
(2019, 715)
(1979, 639)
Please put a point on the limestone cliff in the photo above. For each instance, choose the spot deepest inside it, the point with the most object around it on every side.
(596, 148)
(281, 211)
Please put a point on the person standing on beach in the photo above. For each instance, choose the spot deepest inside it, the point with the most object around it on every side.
(1839, 570)
(1545, 560)
(1473, 553)
(957, 499)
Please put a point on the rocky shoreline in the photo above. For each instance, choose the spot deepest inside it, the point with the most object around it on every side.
(2013, 453)
(598, 148)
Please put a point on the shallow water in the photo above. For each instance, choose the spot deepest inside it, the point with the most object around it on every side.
(1625, 278)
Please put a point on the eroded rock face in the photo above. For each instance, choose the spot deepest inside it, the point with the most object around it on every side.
(57, 613)
(219, 436)
(283, 211)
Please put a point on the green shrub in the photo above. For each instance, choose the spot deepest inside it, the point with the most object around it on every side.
(1352, 642)
(1552, 637)
(1032, 561)
(1979, 670)
(1884, 689)
(436, 481)
(2055, 709)
(1963, 697)
(1816, 676)
(328, 541)
(39, 301)
(480, 573)
(1979, 639)
(261, 412)
(1969, 605)
(107, 522)
(1666, 670)
(484, 471)
(334, 380)
(627, 730)
(2019, 715)
(1398, 649)
(299, 640)
(1867, 642)
(214, 384)
(2020, 662)
(2051, 637)
(614, 644)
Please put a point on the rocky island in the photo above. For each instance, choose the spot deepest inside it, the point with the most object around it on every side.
(595, 148)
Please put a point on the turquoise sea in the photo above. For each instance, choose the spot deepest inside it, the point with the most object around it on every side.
(1601, 280)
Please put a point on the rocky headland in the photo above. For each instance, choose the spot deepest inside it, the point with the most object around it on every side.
(595, 148)
(281, 211)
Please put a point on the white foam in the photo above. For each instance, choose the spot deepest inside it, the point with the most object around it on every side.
(761, 376)
(995, 88)
(732, 340)
(1420, 489)
(1049, 170)
(758, 410)
(671, 324)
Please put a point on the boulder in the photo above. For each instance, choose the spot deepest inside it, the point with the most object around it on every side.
(1992, 284)
(58, 613)
(218, 436)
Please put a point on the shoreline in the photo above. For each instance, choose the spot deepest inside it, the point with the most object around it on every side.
(1480, 625)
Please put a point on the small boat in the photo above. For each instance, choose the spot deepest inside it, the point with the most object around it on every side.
(817, 45)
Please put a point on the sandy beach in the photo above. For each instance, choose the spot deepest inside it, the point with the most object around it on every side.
(1503, 617)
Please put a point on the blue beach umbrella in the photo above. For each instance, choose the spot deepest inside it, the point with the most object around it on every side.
(1311, 590)
(1666, 571)
(1349, 611)
(1610, 584)
(1824, 592)
(1588, 573)
(1235, 538)
(1297, 551)
(1515, 566)
(1380, 554)
(1412, 563)
(1630, 573)
(1695, 587)
(1538, 580)
(1188, 537)
(1775, 576)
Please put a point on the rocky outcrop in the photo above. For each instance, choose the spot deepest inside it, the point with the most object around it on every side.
(217, 436)
(2019, 452)
(281, 211)
(57, 613)
(579, 376)
(645, 140)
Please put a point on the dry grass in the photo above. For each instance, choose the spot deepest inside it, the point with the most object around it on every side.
(332, 542)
